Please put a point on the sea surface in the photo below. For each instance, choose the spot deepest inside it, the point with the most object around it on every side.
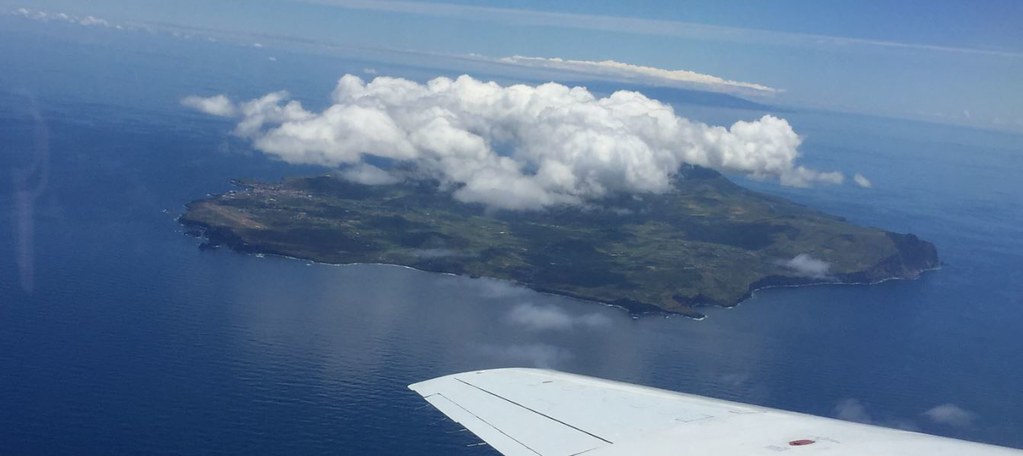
(118, 335)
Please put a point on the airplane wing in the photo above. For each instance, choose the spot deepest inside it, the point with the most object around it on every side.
(532, 412)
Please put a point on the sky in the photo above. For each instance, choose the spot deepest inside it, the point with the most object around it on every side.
(956, 62)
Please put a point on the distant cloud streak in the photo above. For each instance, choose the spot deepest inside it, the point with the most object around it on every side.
(618, 71)
(47, 16)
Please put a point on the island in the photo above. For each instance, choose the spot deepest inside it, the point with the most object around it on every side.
(707, 242)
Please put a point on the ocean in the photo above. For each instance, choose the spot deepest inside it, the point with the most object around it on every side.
(118, 335)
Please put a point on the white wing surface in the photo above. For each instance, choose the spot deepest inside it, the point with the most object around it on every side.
(533, 412)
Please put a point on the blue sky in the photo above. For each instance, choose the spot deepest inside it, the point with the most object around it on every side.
(957, 62)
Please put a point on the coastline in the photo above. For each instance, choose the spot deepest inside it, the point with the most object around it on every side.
(633, 309)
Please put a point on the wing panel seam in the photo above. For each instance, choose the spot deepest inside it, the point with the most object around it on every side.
(486, 422)
(537, 412)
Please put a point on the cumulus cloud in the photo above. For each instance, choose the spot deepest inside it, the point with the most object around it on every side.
(610, 69)
(530, 355)
(862, 181)
(951, 415)
(545, 318)
(515, 147)
(807, 266)
(218, 105)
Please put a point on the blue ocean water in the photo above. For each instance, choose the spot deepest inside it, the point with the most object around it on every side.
(125, 338)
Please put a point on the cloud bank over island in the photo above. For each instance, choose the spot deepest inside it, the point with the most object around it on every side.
(514, 147)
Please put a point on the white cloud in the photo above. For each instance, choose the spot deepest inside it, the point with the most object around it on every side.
(217, 105)
(855, 411)
(610, 69)
(951, 415)
(31, 14)
(369, 175)
(543, 318)
(257, 45)
(499, 289)
(92, 20)
(515, 147)
(862, 181)
(852, 410)
(46, 16)
(808, 266)
(528, 355)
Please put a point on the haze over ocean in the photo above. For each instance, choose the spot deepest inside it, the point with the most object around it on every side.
(127, 339)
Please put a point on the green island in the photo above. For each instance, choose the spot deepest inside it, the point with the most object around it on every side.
(706, 242)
